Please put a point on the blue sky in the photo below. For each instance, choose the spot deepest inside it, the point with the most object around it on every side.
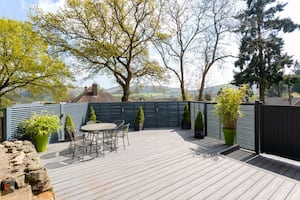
(15, 9)
(19, 9)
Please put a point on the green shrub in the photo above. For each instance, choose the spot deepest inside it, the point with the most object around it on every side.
(41, 124)
(228, 106)
(199, 122)
(69, 123)
(186, 119)
(93, 116)
(140, 117)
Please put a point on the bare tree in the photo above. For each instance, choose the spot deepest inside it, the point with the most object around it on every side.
(220, 22)
(183, 22)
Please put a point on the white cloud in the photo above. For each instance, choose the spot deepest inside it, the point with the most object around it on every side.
(50, 5)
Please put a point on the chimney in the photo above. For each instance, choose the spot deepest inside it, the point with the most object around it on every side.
(95, 89)
(85, 89)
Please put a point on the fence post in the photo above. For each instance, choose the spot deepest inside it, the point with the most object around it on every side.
(257, 124)
(205, 118)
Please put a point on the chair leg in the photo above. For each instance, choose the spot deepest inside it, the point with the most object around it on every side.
(124, 142)
(127, 139)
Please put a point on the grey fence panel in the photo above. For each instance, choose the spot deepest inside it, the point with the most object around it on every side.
(150, 114)
(245, 128)
(213, 124)
(78, 112)
(15, 115)
(175, 114)
(162, 111)
(128, 113)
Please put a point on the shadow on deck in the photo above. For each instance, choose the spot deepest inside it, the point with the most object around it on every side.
(278, 165)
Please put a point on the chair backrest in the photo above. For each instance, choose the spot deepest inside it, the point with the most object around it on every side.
(119, 123)
(125, 128)
(71, 133)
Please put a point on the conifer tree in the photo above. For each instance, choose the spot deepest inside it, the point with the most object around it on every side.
(261, 60)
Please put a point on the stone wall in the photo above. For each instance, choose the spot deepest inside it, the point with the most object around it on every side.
(20, 165)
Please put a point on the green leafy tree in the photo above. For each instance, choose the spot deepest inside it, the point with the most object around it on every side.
(296, 71)
(26, 66)
(261, 60)
(107, 36)
(289, 81)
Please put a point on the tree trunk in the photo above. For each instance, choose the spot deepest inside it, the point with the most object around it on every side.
(182, 77)
(182, 91)
(126, 92)
(290, 96)
(262, 88)
(201, 90)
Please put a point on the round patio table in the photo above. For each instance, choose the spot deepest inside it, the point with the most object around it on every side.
(98, 127)
(94, 131)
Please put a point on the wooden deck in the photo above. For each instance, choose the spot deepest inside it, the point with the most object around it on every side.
(164, 164)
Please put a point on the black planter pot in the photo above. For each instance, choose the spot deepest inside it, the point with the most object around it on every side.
(186, 125)
(139, 127)
(199, 134)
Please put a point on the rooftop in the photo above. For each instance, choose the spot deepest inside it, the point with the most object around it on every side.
(168, 164)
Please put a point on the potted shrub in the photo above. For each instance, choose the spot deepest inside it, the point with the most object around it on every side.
(198, 129)
(228, 109)
(139, 120)
(40, 127)
(68, 123)
(92, 116)
(186, 119)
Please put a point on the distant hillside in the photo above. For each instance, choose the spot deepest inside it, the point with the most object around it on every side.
(152, 92)
(163, 91)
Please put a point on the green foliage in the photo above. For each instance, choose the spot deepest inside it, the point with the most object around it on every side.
(93, 116)
(199, 122)
(261, 60)
(107, 36)
(41, 124)
(228, 105)
(186, 118)
(140, 117)
(69, 123)
(26, 66)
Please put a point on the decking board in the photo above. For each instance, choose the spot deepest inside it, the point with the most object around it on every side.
(170, 164)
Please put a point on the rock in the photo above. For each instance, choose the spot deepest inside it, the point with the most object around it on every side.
(38, 180)
(33, 156)
(23, 193)
(26, 142)
(48, 195)
(11, 149)
(8, 144)
(19, 160)
(20, 181)
(28, 149)
(33, 165)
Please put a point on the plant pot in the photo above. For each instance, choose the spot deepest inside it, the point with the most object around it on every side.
(139, 127)
(199, 134)
(229, 136)
(185, 125)
(40, 142)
